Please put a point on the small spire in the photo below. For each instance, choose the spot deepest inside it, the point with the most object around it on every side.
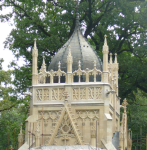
(79, 64)
(43, 60)
(35, 46)
(11, 148)
(43, 67)
(69, 53)
(115, 58)
(110, 58)
(125, 104)
(59, 65)
(105, 41)
(77, 13)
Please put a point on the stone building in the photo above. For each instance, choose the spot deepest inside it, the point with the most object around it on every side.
(76, 101)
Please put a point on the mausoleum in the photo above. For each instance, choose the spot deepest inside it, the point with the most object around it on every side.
(75, 102)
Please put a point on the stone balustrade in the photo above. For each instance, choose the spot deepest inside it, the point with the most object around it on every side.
(45, 77)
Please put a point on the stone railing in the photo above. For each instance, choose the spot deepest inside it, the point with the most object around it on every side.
(76, 76)
(77, 93)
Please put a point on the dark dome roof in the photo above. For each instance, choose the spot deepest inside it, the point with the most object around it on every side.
(80, 50)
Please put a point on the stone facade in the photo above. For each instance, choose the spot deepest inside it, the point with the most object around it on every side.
(65, 112)
(77, 103)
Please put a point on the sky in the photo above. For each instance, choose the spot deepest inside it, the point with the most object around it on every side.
(6, 54)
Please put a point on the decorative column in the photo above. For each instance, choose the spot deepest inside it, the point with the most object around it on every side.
(20, 138)
(34, 64)
(105, 60)
(69, 67)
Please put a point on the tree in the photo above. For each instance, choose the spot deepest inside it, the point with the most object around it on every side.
(137, 113)
(10, 122)
(52, 22)
(13, 110)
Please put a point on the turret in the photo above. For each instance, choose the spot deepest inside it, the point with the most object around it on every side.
(34, 64)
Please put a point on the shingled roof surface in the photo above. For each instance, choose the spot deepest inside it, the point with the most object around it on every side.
(80, 50)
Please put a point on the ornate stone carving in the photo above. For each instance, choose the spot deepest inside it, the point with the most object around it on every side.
(91, 93)
(57, 93)
(82, 93)
(91, 114)
(98, 93)
(76, 93)
(42, 94)
(54, 94)
(46, 94)
(39, 94)
(65, 134)
(53, 115)
(61, 92)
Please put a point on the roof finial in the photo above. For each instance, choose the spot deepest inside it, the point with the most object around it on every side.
(77, 13)
(79, 64)
(105, 41)
(59, 65)
(69, 53)
(125, 104)
(35, 47)
(43, 60)
(95, 64)
(115, 58)
(110, 58)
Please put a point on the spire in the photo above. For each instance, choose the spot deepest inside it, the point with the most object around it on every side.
(43, 67)
(35, 50)
(77, 14)
(34, 63)
(59, 65)
(105, 41)
(43, 60)
(125, 105)
(115, 58)
(35, 47)
(105, 46)
(95, 64)
(69, 53)
(79, 64)
(105, 60)
(110, 58)
(69, 61)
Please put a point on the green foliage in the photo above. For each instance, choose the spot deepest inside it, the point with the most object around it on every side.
(10, 126)
(52, 23)
(137, 117)
(13, 110)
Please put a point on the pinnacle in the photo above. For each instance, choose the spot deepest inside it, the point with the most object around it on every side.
(35, 46)
(105, 41)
